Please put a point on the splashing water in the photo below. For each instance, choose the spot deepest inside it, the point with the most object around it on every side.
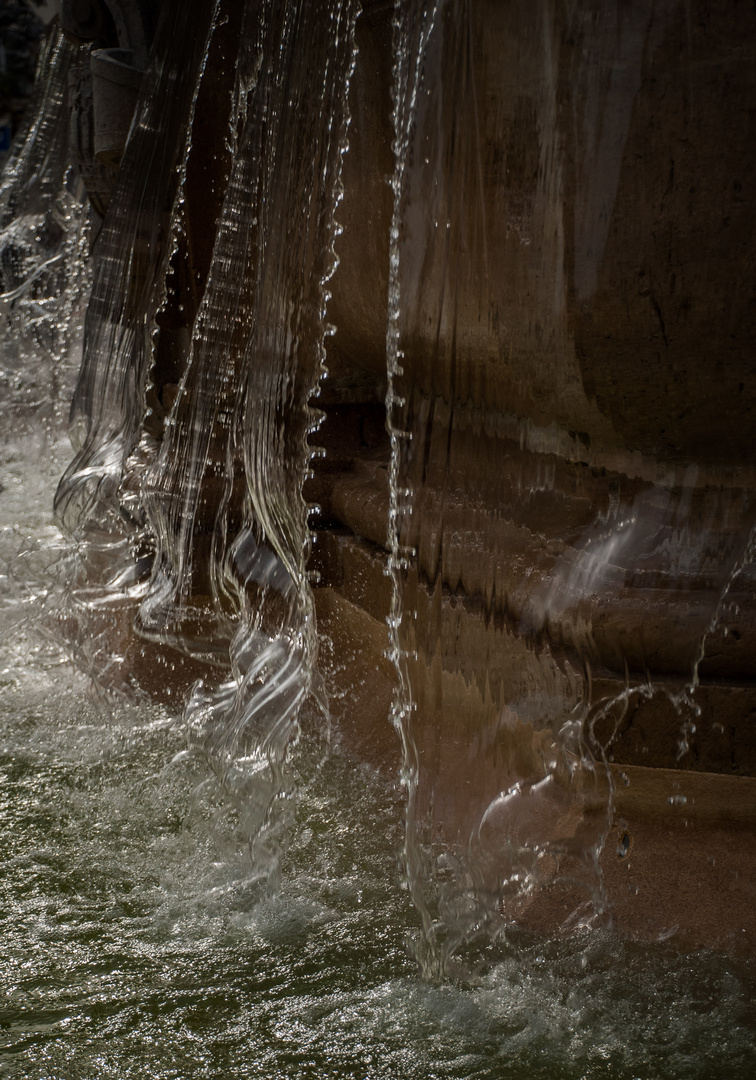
(133, 503)
(43, 238)
(136, 941)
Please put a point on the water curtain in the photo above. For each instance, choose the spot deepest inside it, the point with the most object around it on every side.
(42, 248)
(225, 494)
(567, 549)
(203, 522)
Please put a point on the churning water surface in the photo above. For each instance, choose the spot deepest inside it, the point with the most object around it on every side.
(135, 940)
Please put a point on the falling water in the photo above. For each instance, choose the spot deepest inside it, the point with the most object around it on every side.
(440, 272)
(227, 481)
(515, 546)
(42, 241)
(207, 878)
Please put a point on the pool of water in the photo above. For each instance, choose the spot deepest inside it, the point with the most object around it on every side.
(137, 939)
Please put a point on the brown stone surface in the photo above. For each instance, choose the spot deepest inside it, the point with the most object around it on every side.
(678, 860)
(689, 871)
(711, 730)
(665, 343)
(579, 380)
(356, 356)
(612, 214)
(359, 680)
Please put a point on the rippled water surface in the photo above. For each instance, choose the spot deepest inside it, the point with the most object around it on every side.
(136, 942)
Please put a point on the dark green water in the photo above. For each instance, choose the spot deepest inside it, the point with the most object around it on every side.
(135, 940)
